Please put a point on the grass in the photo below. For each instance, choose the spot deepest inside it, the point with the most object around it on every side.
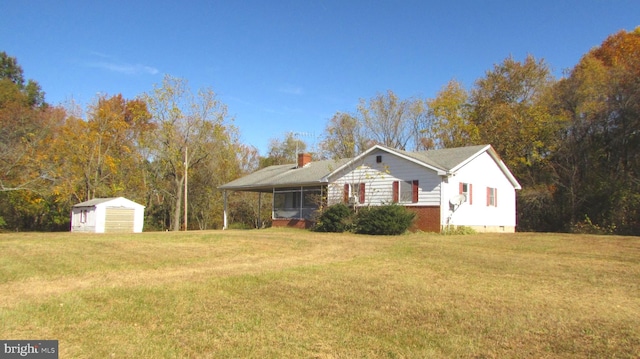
(289, 293)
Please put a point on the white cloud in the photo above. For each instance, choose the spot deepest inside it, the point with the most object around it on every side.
(110, 63)
(127, 69)
(291, 89)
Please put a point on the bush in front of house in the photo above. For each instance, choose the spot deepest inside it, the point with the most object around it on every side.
(383, 220)
(457, 230)
(336, 218)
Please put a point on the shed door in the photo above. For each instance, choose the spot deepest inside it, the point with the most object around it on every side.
(119, 220)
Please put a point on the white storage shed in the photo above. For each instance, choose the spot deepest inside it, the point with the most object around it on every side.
(107, 215)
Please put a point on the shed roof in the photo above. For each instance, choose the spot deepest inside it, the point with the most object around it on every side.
(93, 202)
(96, 201)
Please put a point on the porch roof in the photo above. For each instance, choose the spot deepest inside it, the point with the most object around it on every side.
(288, 175)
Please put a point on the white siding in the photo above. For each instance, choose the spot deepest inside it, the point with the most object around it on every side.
(379, 177)
(481, 172)
(97, 215)
(89, 225)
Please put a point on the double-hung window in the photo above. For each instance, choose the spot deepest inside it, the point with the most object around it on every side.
(405, 191)
(492, 197)
(466, 189)
(354, 192)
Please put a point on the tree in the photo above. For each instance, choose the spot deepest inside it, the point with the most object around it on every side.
(185, 122)
(12, 72)
(101, 157)
(284, 151)
(596, 164)
(28, 128)
(390, 121)
(450, 118)
(343, 137)
(510, 112)
(23, 128)
(25, 132)
(112, 157)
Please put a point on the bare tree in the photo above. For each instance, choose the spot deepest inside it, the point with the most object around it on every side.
(183, 120)
(393, 122)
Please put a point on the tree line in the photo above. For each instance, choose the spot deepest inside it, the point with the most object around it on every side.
(572, 142)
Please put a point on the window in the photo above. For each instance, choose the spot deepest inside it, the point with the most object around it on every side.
(296, 202)
(405, 191)
(467, 190)
(492, 197)
(354, 192)
(378, 159)
(83, 216)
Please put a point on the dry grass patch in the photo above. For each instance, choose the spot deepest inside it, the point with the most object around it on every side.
(290, 293)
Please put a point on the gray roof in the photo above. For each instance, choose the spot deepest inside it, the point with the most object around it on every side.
(288, 175)
(445, 159)
(317, 173)
(93, 202)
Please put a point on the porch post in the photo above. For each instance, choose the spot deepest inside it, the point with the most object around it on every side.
(224, 212)
(259, 208)
(301, 215)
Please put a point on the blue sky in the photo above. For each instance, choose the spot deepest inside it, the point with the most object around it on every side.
(288, 66)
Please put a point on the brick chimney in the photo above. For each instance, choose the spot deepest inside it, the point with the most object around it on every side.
(303, 159)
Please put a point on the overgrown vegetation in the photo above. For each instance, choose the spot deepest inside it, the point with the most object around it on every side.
(284, 293)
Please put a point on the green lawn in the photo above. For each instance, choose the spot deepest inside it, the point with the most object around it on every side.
(280, 293)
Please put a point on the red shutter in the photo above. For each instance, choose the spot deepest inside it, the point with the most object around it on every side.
(495, 197)
(469, 193)
(415, 191)
(345, 193)
(396, 190)
(361, 192)
(488, 196)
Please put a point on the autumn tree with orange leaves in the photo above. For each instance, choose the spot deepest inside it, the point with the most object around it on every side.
(596, 165)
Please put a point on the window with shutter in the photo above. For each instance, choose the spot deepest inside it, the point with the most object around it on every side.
(467, 190)
(405, 191)
(492, 197)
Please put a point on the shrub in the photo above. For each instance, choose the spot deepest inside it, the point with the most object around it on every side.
(384, 220)
(455, 230)
(336, 218)
(588, 227)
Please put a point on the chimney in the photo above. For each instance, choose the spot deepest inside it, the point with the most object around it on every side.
(303, 159)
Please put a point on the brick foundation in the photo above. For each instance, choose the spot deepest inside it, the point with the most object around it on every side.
(293, 223)
(427, 218)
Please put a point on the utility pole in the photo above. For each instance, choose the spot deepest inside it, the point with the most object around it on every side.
(186, 167)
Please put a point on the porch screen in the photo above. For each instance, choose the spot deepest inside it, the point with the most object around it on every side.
(296, 203)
